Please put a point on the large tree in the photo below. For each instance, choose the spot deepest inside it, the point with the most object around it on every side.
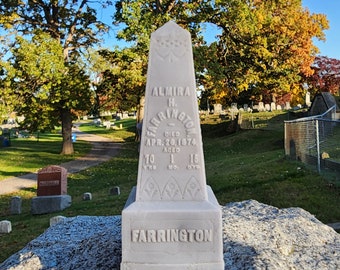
(141, 17)
(264, 46)
(122, 86)
(48, 88)
(74, 26)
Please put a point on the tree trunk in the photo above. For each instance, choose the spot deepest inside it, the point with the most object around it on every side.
(66, 125)
(140, 116)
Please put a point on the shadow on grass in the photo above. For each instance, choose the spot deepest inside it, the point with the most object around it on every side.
(29, 189)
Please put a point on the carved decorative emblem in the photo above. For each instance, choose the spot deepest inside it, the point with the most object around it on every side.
(192, 189)
(151, 189)
(171, 191)
(171, 47)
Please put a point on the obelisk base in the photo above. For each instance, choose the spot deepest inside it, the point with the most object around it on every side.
(172, 235)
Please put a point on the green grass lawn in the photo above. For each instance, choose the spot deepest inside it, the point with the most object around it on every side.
(249, 164)
(27, 155)
(124, 130)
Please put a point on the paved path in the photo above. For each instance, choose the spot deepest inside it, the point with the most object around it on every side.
(102, 150)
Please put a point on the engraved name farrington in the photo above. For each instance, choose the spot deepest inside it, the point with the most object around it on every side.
(170, 113)
(171, 235)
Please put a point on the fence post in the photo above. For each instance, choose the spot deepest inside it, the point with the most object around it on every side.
(317, 144)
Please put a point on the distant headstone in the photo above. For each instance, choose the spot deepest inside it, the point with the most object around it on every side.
(217, 108)
(234, 106)
(50, 204)
(52, 180)
(308, 102)
(107, 124)
(52, 191)
(87, 196)
(233, 111)
(261, 107)
(267, 107)
(56, 220)
(273, 106)
(172, 219)
(5, 226)
(115, 191)
(16, 203)
(97, 122)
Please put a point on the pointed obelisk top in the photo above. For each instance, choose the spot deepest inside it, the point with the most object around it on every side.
(171, 162)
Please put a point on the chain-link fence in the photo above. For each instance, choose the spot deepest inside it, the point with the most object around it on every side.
(315, 140)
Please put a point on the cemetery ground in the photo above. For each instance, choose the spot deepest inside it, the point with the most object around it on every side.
(248, 164)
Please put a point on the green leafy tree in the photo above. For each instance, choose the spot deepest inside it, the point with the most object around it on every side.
(54, 87)
(7, 99)
(266, 46)
(139, 18)
(97, 67)
(142, 17)
(122, 86)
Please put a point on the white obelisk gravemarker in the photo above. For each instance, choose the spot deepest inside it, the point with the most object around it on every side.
(172, 220)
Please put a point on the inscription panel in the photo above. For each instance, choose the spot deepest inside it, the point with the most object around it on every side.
(49, 183)
(170, 148)
(172, 236)
(199, 235)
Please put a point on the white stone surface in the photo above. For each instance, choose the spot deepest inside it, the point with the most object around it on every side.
(307, 99)
(5, 226)
(256, 236)
(173, 220)
(56, 220)
(173, 235)
(171, 163)
(273, 106)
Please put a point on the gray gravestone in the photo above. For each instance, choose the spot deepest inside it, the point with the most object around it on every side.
(16, 203)
(172, 219)
(87, 196)
(115, 191)
(5, 226)
(50, 204)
